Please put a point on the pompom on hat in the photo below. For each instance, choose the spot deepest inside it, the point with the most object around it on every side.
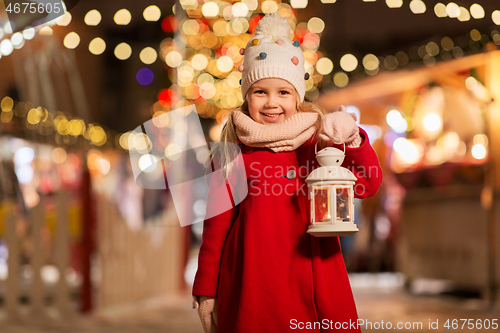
(271, 54)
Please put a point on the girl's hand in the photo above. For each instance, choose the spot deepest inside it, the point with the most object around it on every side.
(207, 310)
(340, 127)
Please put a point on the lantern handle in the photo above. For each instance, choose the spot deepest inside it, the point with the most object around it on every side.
(316, 148)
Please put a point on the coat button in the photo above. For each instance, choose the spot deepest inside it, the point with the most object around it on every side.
(247, 149)
(291, 174)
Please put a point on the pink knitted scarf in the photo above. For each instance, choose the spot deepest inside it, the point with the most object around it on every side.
(287, 136)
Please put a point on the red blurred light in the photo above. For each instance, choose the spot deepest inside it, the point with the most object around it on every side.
(169, 24)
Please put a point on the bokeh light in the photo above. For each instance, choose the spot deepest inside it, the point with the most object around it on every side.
(348, 62)
(97, 46)
(123, 51)
(341, 79)
(64, 20)
(93, 18)
(440, 10)
(324, 66)
(417, 7)
(145, 76)
(152, 13)
(477, 11)
(122, 17)
(72, 40)
(394, 3)
(316, 25)
(148, 55)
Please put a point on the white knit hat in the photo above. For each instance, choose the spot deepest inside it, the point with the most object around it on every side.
(271, 54)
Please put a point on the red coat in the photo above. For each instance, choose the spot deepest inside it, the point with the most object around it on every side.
(268, 274)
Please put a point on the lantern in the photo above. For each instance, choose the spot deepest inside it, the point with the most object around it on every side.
(331, 193)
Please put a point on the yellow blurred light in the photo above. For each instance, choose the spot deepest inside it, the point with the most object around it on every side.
(7, 104)
(234, 53)
(417, 7)
(173, 151)
(452, 10)
(233, 79)
(334, 1)
(93, 18)
(475, 35)
(97, 46)
(190, 27)
(239, 26)
(72, 40)
(173, 59)
(59, 155)
(161, 119)
(371, 62)
(316, 25)
(46, 31)
(269, 7)
(341, 79)
(62, 126)
(148, 55)
(324, 66)
(220, 28)
(251, 4)
(432, 122)
(225, 64)
(480, 139)
(189, 4)
(440, 10)
(239, 9)
(76, 127)
(152, 13)
(64, 20)
(205, 78)
(447, 43)
(122, 17)
(478, 151)
(199, 61)
(207, 90)
(471, 83)
(394, 3)
(495, 16)
(348, 62)
(210, 9)
(298, 3)
(464, 15)
(124, 140)
(477, 11)
(6, 117)
(34, 116)
(123, 51)
(97, 135)
(432, 49)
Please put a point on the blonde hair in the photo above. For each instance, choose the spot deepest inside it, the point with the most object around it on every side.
(225, 154)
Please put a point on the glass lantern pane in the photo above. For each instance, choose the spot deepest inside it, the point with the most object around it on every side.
(343, 204)
(321, 204)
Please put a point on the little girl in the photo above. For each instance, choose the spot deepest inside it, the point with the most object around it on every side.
(259, 271)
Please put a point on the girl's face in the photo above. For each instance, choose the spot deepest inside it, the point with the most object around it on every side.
(271, 101)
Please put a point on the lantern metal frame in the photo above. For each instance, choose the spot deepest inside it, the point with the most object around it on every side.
(331, 177)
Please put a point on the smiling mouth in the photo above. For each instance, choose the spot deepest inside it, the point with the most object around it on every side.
(272, 115)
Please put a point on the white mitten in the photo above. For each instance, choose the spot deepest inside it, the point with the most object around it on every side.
(207, 310)
(340, 127)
